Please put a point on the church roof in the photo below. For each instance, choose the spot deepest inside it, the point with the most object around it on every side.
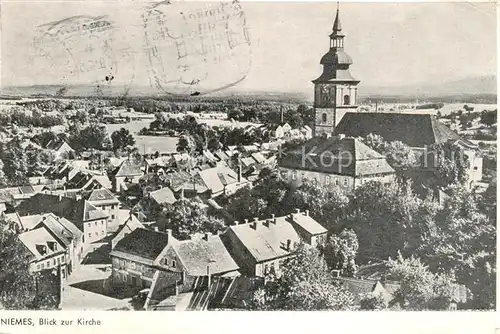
(346, 156)
(415, 130)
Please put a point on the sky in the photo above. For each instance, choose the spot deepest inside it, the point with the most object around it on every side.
(391, 44)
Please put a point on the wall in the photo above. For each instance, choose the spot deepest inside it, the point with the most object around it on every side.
(327, 180)
(49, 263)
(240, 254)
(94, 230)
(110, 209)
(123, 270)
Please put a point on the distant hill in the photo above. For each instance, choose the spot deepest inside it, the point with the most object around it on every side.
(484, 85)
(476, 89)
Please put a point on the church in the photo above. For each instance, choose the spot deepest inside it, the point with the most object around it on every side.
(337, 121)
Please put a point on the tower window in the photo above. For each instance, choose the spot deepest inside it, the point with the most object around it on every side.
(347, 100)
(324, 117)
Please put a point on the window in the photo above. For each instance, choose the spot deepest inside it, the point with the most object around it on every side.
(475, 168)
(102, 232)
(345, 182)
(336, 182)
(327, 179)
(63, 259)
(112, 216)
(54, 261)
(38, 267)
(324, 117)
(174, 264)
(43, 266)
(266, 269)
(48, 264)
(294, 175)
(347, 100)
(124, 277)
(102, 223)
(96, 234)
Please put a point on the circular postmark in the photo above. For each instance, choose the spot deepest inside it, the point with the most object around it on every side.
(80, 50)
(196, 48)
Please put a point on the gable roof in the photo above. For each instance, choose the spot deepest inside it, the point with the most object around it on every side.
(163, 195)
(268, 240)
(144, 243)
(127, 168)
(217, 177)
(64, 230)
(102, 197)
(415, 130)
(198, 253)
(334, 155)
(129, 225)
(35, 239)
(72, 209)
(308, 223)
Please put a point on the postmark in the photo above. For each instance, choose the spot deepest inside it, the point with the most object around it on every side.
(81, 50)
(196, 48)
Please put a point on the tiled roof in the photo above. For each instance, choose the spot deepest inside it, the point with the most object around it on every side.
(267, 241)
(213, 177)
(61, 227)
(129, 225)
(38, 239)
(144, 243)
(198, 253)
(128, 168)
(415, 130)
(163, 195)
(346, 156)
(102, 195)
(72, 209)
(309, 224)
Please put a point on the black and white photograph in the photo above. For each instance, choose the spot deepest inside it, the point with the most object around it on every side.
(247, 156)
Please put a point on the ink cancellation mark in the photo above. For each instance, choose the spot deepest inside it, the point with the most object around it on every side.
(79, 49)
(196, 48)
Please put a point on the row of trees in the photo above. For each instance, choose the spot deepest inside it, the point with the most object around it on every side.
(21, 118)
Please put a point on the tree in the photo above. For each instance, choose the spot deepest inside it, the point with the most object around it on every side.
(463, 241)
(372, 302)
(187, 217)
(186, 144)
(341, 250)
(18, 288)
(324, 204)
(387, 218)
(91, 137)
(452, 165)
(303, 284)
(122, 139)
(420, 289)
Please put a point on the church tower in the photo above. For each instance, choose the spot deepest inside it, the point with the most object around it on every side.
(335, 91)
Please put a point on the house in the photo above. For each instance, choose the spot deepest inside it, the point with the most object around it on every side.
(153, 165)
(335, 162)
(419, 131)
(15, 195)
(104, 200)
(163, 196)
(128, 172)
(222, 180)
(67, 234)
(362, 287)
(131, 224)
(60, 149)
(88, 218)
(47, 252)
(261, 246)
(137, 257)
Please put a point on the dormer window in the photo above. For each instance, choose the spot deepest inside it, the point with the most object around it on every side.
(174, 264)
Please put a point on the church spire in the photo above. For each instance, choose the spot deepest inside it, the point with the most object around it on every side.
(336, 24)
(336, 37)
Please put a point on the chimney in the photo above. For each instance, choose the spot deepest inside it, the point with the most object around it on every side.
(297, 210)
(288, 244)
(155, 228)
(236, 223)
(341, 136)
(246, 221)
(169, 234)
(255, 223)
(206, 236)
(306, 213)
(60, 197)
(273, 218)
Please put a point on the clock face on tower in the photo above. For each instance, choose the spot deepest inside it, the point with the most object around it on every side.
(326, 97)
